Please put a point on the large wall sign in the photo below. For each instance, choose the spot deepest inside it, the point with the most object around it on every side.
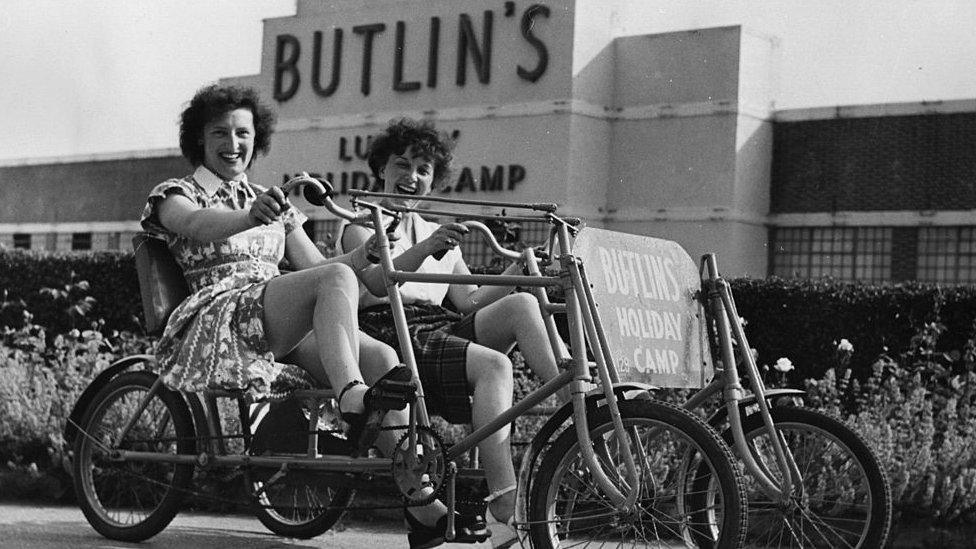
(348, 57)
(319, 64)
(495, 75)
(645, 289)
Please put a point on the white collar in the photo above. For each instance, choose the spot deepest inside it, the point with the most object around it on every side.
(211, 181)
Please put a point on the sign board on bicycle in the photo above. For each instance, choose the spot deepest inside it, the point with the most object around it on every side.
(645, 290)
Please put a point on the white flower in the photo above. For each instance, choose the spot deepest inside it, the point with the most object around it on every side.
(845, 346)
(783, 365)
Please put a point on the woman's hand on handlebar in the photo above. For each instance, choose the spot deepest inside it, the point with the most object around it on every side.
(372, 248)
(446, 237)
(269, 205)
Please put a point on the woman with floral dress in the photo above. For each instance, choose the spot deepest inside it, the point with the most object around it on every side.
(244, 317)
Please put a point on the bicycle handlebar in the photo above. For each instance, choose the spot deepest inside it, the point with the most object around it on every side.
(319, 192)
(547, 207)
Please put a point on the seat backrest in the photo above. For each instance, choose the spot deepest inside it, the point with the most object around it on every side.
(161, 281)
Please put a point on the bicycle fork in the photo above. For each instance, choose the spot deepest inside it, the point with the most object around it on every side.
(728, 327)
(585, 325)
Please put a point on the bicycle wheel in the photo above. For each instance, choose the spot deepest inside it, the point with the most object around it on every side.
(301, 504)
(567, 507)
(842, 499)
(128, 500)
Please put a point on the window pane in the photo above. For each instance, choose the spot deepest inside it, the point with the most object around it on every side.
(81, 241)
(845, 253)
(22, 240)
(947, 255)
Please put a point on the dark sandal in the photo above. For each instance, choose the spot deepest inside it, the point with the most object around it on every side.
(393, 391)
(467, 529)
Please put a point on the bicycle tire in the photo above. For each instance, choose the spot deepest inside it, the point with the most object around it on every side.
(566, 503)
(825, 450)
(302, 504)
(126, 500)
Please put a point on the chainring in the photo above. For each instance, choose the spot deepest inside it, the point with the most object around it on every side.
(427, 470)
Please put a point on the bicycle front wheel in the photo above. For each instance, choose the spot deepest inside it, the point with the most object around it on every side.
(567, 507)
(842, 498)
(128, 500)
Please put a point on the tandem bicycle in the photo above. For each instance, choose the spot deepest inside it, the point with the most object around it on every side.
(613, 467)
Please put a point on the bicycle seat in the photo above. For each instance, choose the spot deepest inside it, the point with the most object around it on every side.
(161, 282)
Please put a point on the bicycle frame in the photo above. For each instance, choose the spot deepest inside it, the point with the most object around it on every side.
(582, 319)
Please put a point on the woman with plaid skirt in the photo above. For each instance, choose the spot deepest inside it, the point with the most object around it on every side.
(462, 352)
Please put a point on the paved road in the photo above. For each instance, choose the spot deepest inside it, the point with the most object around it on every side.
(41, 527)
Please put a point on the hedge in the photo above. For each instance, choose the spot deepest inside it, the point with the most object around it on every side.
(111, 282)
(803, 320)
(798, 319)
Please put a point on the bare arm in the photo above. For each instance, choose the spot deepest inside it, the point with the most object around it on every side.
(182, 216)
(468, 297)
(302, 253)
(410, 260)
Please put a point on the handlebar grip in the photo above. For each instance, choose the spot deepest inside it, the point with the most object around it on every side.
(544, 207)
(316, 197)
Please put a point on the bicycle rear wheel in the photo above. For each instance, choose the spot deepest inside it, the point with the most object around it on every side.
(301, 504)
(842, 498)
(567, 507)
(127, 500)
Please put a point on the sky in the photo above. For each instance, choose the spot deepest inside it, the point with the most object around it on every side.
(82, 77)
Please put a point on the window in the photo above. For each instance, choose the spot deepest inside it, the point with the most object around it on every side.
(844, 253)
(22, 240)
(947, 255)
(81, 241)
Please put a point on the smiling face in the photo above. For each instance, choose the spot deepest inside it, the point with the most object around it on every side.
(228, 143)
(408, 174)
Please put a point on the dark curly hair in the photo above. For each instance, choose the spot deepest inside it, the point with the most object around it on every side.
(213, 101)
(402, 133)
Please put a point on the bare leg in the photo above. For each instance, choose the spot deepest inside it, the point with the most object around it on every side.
(376, 358)
(516, 319)
(490, 374)
(323, 299)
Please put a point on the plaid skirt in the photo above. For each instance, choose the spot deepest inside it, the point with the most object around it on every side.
(440, 339)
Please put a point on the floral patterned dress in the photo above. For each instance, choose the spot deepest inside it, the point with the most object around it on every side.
(215, 338)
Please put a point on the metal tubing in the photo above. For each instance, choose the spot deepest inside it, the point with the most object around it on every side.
(580, 375)
(491, 240)
(156, 386)
(481, 280)
(601, 335)
(343, 464)
(583, 431)
(399, 318)
(517, 410)
(539, 206)
(733, 390)
(779, 447)
(706, 392)
(545, 307)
